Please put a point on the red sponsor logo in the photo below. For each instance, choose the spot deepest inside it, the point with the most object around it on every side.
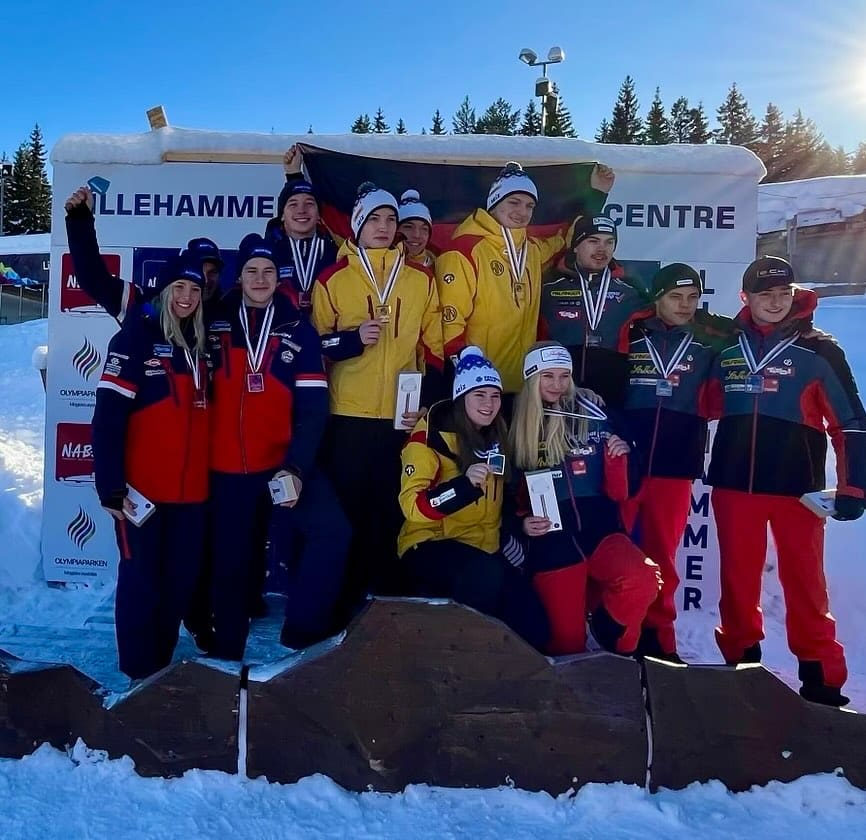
(73, 460)
(72, 297)
(568, 314)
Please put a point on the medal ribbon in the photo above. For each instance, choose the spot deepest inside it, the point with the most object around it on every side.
(516, 259)
(371, 275)
(192, 361)
(595, 308)
(593, 412)
(756, 367)
(254, 359)
(305, 269)
(679, 353)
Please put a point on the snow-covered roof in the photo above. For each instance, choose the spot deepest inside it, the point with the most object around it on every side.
(31, 243)
(170, 143)
(814, 201)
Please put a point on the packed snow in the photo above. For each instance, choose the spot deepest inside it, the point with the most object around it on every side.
(154, 147)
(82, 794)
(814, 201)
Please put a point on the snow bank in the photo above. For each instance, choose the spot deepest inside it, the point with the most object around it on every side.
(814, 201)
(153, 147)
(51, 794)
(31, 243)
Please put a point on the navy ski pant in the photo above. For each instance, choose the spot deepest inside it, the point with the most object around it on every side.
(160, 562)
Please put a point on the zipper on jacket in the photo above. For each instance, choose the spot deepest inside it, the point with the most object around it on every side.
(658, 416)
(754, 443)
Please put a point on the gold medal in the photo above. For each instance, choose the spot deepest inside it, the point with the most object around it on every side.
(383, 313)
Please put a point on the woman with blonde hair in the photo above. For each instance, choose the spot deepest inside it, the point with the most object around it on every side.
(588, 563)
(150, 436)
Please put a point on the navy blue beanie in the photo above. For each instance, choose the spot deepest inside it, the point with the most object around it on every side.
(206, 250)
(253, 245)
(298, 187)
(185, 266)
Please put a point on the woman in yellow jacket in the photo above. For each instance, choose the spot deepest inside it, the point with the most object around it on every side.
(452, 487)
(489, 279)
(378, 315)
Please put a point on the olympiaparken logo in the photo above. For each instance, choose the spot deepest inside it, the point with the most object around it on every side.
(87, 360)
(81, 529)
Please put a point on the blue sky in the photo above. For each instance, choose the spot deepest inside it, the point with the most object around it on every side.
(281, 66)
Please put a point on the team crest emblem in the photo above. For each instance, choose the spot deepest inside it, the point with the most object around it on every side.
(497, 268)
(448, 279)
(410, 470)
(449, 314)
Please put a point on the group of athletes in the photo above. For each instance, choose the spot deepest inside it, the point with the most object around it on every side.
(281, 406)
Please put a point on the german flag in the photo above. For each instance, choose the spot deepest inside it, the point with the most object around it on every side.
(451, 191)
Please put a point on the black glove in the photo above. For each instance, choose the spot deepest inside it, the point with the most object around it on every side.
(848, 508)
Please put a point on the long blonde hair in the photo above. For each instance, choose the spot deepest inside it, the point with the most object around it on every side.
(171, 325)
(539, 440)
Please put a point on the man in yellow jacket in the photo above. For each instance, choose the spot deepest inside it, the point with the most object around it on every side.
(377, 315)
(490, 278)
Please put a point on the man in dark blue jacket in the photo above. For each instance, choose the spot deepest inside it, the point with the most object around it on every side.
(665, 403)
(779, 393)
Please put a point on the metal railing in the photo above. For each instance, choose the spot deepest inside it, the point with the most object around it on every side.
(18, 304)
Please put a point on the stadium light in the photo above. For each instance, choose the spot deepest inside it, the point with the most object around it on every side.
(555, 55)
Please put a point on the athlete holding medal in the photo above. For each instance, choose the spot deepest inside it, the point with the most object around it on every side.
(378, 315)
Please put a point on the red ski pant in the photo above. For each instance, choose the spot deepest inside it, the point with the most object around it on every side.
(622, 583)
(741, 521)
(660, 512)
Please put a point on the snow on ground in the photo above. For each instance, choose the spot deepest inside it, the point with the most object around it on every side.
(50, 794)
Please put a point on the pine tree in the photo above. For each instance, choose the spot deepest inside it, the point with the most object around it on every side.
(499, 118)
(310, 129)
(699, 125)
(438, 126)
(771, 140)
(658, 131)
(559, 125)
(738, 125)
(17, 188)
(531, 125)
(626, 125)
(858, 161)
(4, 159)
(603, 131)
(463, 122)
(362, 125)
(401, 127)
(681, 121)
(39, 199)
(801, 150)
(379, 124)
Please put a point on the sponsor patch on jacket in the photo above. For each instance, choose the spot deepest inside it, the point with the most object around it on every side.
(776, 370)
(287, 356)
(448, 279)
(153, 363)
(164, 351)
(220, 326)
(113, 370)
(160, 371)
(409, 469)
(615, 296)
(291, 344)
(566, 293)
(733, 362)
(640, 357)
(568, 314)
(443, 497)
(449, 314)
(119, 356)
(330, 342)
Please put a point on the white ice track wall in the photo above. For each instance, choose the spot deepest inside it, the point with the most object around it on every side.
(227, 200)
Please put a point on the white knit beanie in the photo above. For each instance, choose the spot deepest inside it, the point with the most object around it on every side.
(411, 207)
(512, 179)
(370, 198)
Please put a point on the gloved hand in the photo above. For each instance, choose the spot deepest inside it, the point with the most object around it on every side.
(848, 508)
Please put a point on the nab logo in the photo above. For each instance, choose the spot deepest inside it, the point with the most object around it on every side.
(81, 529)
(73, 460)
(87, 360)
(73, 299)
